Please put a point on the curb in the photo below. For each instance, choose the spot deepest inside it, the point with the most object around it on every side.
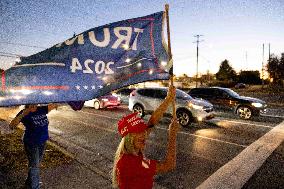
(273, 116)
(54, 144)
(225, 114)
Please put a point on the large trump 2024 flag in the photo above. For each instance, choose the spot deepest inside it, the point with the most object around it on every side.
(90, 64)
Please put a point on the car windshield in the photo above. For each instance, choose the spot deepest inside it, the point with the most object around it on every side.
(232, 93)
(182, 95)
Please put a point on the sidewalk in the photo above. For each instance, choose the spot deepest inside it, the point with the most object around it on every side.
(87, 170)
(69, 175)
(73, 175)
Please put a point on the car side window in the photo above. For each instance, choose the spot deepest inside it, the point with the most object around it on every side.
(206, 92)
(121, 92)
(161, 94)
(220, 94)
(147, 92)
(194, 92)
(217, 93)
(125, 91)
(225, 94)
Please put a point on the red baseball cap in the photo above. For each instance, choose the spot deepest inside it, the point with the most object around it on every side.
(131, 124)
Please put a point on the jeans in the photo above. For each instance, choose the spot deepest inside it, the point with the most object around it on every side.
(35, 155)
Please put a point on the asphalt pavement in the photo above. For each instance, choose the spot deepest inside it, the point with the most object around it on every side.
(76, 175)
(86, 172)
(270, 174)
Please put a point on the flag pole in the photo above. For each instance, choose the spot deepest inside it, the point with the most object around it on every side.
(170, 54)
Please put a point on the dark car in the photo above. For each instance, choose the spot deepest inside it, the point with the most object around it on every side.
(227, 99)
(240, 86)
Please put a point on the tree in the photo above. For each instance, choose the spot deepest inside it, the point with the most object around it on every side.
(226, 72)
(249, 77)
(281, 67)
(275, 68)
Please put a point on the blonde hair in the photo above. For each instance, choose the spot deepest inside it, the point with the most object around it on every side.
(125, 146)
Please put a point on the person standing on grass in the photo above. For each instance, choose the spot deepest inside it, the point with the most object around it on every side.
(131, 168)
(35, 120)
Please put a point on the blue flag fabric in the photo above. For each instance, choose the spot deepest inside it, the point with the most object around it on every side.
(90, 64)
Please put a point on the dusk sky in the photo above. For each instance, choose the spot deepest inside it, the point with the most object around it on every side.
(231, 29)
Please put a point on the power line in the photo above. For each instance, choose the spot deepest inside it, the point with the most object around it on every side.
(9, 56)
(20, 44)
(12, 54)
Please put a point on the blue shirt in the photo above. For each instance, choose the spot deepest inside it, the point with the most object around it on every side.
(36, 124)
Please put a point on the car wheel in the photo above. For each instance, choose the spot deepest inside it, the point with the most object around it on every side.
(184, 117)
(97, 105)
(244, 112)
(138, 108)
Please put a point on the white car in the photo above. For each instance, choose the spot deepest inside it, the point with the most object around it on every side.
(146, 100)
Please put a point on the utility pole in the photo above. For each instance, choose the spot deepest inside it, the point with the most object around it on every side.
(197, 43)
(262, 71)
(246, 60)
(268, 52)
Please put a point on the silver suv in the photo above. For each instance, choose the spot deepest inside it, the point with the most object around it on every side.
(146, 100)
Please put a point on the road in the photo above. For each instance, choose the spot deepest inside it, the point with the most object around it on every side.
(91, 135)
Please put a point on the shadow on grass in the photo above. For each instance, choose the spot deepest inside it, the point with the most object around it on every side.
(14, 157)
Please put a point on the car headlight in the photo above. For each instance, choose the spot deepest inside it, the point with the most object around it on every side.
(256, 104)
(195, 106)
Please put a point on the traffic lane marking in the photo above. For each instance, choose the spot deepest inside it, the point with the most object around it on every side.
(238, 171)
(99, 115)
(244, 123)
(181, 132)
(87, 124)
(207, 138)
(217, 119)
(274, 116)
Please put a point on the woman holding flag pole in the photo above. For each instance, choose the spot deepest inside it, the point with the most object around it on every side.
(131, 168)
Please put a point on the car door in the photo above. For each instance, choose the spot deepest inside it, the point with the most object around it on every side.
(216, 98)
(222, 99)
(148, 97)
(229, 101)
(124, 95)
(160, 95)
(204, 94)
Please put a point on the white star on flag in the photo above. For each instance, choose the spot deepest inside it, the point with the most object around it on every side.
(93, 87)
(78, 87)
(86, 87)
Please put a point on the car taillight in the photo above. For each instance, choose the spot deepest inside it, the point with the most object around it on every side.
(133, 93)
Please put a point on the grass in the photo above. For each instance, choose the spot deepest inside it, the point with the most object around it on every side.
(15, 160)
(272, 98)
